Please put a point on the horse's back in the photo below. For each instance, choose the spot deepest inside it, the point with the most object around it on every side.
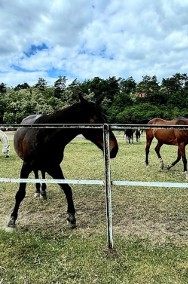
(30, 119)
(162, 121)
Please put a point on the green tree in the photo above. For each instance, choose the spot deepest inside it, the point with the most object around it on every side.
(127, 86)
(176, 89)
(41, 84)
(60, 86)
(21, 86)
(150, 88)
(3, 88)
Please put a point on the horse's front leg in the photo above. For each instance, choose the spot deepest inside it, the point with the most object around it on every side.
(57, 173)
(157, 150)
(40, 188)
(25, 171)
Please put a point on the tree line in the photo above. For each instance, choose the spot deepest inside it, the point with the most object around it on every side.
(123, 100)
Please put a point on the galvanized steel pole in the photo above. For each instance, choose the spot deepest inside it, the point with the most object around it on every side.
(108, 185)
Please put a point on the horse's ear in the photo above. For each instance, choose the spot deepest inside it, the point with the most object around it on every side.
(99, 101)
(82, 100)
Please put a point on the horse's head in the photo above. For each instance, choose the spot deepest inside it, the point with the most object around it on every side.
(92, 114)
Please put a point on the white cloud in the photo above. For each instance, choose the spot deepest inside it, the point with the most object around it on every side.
(90, 38)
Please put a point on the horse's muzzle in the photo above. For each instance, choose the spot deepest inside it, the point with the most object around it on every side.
(114, 152)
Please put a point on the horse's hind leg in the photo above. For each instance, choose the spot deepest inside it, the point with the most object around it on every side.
(176, 161)
(57, 173)
(181, 148)
(37, 192)
(157, 150)
(25, 171)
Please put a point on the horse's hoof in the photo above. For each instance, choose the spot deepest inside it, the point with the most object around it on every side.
(71, 225)
(37, 194)
(11, 224)
(43, 196)
(71, 221)
(161, 166)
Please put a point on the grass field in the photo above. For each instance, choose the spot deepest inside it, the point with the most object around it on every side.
(149, 224)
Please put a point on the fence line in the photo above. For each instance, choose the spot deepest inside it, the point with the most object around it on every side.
(97, 126)
(97, 182)
(107, 182)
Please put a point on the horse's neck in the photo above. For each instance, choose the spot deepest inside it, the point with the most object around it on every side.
(70, 115)
(67, 135)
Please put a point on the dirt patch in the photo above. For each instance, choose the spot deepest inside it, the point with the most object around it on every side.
(154, 231)
(52, 219)
(160, 221)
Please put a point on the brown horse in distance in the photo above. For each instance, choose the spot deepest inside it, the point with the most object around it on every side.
(169, 137)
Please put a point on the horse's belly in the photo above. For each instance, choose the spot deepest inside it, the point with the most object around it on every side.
(166, 137)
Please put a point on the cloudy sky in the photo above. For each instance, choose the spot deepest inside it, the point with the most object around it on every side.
(87, 38)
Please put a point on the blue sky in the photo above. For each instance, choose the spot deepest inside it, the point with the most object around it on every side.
(87, 38)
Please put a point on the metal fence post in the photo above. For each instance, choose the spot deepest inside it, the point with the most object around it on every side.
(108, 185)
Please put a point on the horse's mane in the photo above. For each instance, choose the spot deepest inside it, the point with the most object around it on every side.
(66, 114)
(181, 120)
(181, 117)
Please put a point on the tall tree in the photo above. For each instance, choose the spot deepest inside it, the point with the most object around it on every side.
(41, 84)
(127, 86)
(60, 86)
(3, 88)
(150, 88)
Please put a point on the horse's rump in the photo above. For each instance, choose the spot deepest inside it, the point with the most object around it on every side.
(182, 135)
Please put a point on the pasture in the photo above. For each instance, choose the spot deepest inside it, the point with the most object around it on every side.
(149, 224)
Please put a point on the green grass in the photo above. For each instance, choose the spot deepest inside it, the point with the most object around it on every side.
(149, 224)
(37, 258)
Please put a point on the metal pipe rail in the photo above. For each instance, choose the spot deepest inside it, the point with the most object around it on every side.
(95, 126)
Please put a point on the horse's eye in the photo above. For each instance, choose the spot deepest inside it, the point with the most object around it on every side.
(94, 119)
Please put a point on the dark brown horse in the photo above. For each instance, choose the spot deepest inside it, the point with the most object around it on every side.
(129, 135)
(137, 134)
(41, 149)
(170, 137)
